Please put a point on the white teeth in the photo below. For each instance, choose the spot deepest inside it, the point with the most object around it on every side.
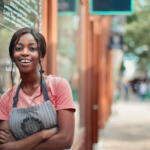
(23, 61)
(28, 61)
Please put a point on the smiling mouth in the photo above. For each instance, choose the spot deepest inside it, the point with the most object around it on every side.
(25, 61)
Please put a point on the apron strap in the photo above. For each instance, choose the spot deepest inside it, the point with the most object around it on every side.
(15, 98)
(44, 88)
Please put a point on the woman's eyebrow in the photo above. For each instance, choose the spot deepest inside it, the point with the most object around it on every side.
(32, 43)
(19, 44)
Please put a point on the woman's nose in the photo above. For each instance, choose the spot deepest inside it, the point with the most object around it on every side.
(25, 51)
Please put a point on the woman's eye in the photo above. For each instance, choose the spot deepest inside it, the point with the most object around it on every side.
(32, 48)
(18, 49)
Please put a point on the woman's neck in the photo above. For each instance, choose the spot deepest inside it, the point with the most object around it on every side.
(31, 80)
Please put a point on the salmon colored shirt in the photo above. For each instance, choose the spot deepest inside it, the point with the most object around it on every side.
(58, 90)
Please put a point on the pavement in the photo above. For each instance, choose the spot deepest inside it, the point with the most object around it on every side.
(128, 128)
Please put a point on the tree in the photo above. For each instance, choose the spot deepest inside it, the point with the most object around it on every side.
(137, 35)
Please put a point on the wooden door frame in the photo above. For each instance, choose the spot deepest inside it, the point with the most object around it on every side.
(50, 34)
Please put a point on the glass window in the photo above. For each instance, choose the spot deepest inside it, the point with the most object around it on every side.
(15, 14)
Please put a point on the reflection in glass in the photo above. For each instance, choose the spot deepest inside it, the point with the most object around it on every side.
(66, 5)
(67, 50)
(14, 15)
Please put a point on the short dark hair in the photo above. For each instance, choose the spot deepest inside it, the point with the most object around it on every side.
(37, 36)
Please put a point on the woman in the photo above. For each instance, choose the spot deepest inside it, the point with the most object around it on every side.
(38, 113)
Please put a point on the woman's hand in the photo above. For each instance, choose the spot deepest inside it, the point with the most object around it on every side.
(29, 142)
(47, 133)
(6, 136)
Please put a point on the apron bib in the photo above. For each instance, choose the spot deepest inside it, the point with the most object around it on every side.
(24, 122)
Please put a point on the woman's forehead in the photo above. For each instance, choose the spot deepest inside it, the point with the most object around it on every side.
(27, 38)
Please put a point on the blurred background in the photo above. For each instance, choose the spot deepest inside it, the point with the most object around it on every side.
(102, 48)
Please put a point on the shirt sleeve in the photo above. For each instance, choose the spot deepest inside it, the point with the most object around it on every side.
(64, 98)
(4, 112)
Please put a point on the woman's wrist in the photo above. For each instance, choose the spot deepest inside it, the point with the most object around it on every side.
(31, 141)
(9, 146)
(47, 133)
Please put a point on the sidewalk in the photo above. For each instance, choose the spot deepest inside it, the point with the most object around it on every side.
(128, 128)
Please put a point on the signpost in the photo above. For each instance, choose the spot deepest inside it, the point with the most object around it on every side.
(116, 42)
(111, 7)
(67, 7)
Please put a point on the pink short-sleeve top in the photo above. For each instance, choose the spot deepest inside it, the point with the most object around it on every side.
(59, 93)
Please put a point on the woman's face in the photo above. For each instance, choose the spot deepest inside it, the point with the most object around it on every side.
(26, 55)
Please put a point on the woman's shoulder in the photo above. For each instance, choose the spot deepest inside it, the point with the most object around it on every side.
(53, 78)
(55, 81)
(9, 92)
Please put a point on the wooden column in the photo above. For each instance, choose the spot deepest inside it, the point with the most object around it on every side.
(84, 85)
(109, 68)
(52, 40)
(102, 78)
(103, 50)
(45, 29)
(95, 78)
(109, 81)
(85, 74)
(88, 77)
(50, 34)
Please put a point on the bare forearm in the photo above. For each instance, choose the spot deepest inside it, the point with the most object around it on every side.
(64, 138)
(1, 147)
(31, 141)
(24, 144)
(6, 147)
(57, 142)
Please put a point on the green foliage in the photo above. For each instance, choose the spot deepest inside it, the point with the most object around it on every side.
(122, 68)
(137, 35)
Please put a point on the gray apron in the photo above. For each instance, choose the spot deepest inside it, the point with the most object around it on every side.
(24, 122)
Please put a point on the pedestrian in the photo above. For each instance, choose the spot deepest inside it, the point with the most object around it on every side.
(126, 87)
(143, 90)
(37, 113)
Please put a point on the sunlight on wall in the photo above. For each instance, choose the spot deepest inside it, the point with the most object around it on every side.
(130, 68)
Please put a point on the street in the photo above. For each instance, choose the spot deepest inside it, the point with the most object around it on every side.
(128, 128)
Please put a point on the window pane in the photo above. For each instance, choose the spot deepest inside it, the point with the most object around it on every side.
(14, 15)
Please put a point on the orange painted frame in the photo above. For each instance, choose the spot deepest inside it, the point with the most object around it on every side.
(50, 34)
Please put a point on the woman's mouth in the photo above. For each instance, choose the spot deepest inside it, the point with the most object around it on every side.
(25, 61)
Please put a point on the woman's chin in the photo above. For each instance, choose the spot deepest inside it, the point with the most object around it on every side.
(26, 71)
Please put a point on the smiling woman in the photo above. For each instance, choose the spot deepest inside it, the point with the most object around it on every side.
(32, 112)
(26, 54)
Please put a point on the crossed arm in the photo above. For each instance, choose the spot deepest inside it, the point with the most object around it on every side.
(46, 139)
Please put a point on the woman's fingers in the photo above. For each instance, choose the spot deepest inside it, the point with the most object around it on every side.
(3, 133)
(2, 141)
(3, 136)
(6, 135)
(5, 130)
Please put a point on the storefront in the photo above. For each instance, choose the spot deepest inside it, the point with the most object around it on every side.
(76, 50)
(13, 16)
